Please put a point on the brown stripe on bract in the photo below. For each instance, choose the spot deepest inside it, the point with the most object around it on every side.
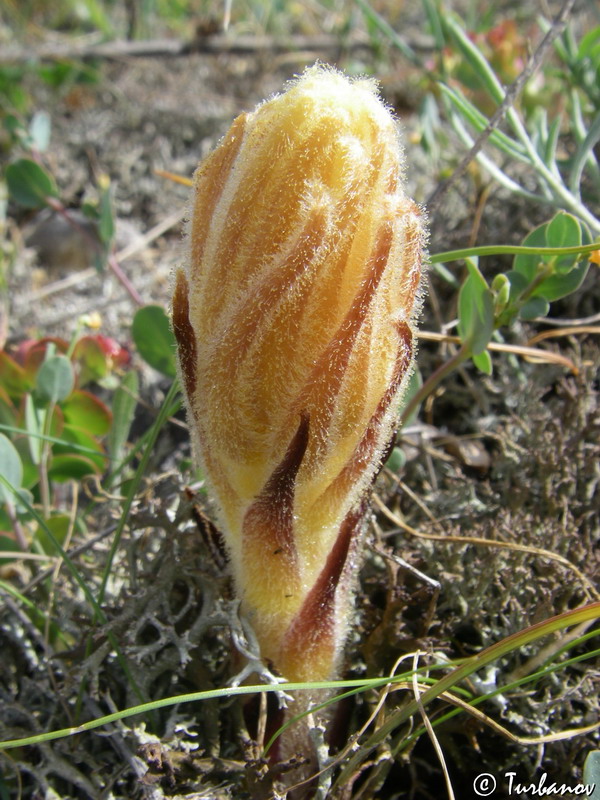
(365, 450)
(311, 635)
(211, 536)
(209, 182)
(321, 390)
(184, 333)
(248, 321)
(269, 522)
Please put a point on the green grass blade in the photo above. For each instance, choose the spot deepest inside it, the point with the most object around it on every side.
(584, 152)
(479, 122)
(474, 57)
(135, 485)
(433, 15)
(384, 27)
(123, 408)
(494, 170)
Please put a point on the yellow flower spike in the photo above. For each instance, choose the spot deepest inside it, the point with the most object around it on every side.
(293, 318)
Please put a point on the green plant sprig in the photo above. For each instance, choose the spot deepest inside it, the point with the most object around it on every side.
(511, 643)
(496, 651)
(533, 143)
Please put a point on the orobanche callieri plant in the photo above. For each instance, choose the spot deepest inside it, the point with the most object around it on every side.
(293, 317)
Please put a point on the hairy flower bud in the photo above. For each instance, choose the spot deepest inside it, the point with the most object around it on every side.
(293, 321)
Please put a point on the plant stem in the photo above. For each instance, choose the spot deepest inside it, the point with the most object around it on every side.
(497, 250)
(16, 525)
(461, 355)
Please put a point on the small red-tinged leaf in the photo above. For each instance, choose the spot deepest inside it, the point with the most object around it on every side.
(13, 378)
(71, 467)
(92, 360)
(32, 353)
(84, 410)
(78, 441)
(29, 184)
(117, 355)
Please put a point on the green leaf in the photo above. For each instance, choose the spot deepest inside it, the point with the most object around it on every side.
(483, 362)
(8, 412)
(123, 409)
(446, 275)
(11, 468)
(92, 360)
(84, 410)
(527, 265)
(154, 339)
(59, 527)
(518, 283)
(557, 286)
(31, 473)
(589, 47)
(412, 387)
(72, 439)
(13, 377)
(534, 307)
(564, 230)
(591, 773)
(475, 311)
(396, 460)
(55, 380)
(29, 184)
(71, 467)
